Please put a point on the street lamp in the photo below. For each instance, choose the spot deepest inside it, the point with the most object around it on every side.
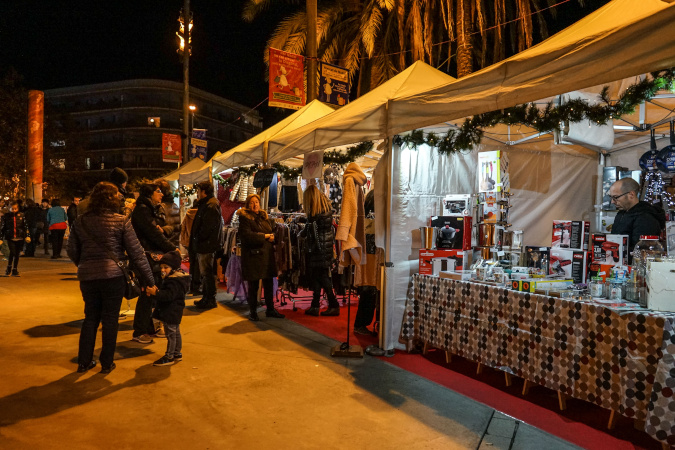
(193, 108)
(184, 50)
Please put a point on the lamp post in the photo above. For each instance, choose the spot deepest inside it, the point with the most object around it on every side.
(185, 49)
(192, 109)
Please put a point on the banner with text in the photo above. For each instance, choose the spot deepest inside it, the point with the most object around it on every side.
(312, 166)
(333, 84)
(287, 89)
(171, 148)
(198, 144)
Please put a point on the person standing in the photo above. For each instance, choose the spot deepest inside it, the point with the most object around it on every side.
(145, 222)
(319, 238)
(57, 221)
(32, 214)
(205, 239)
(96, 234)
(168, 213)
(14, 230)
(186, 229)
(72, 211)
(257, 255)
(635, 218)
(43, 226)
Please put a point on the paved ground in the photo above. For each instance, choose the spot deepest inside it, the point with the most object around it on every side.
(243, 385)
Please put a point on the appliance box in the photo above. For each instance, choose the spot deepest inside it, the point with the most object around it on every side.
(462, 259)
(439, 265)
(532, 284)
(457, 205)
(670, 238)
(537, 257)
(460, 275)
(569, 263)
(460, 239)
(661, 286)
(572, 234)
(609, 249)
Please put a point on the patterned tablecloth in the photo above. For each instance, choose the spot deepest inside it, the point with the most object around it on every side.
(623, 362)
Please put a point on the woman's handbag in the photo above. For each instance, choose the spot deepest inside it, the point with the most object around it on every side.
(132, 289)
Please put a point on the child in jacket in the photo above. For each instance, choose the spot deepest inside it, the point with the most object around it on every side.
(14, 229)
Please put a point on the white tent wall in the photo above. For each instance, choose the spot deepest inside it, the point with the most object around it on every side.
(547, 185)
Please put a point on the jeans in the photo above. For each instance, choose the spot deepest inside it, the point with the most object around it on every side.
(195, 274)
(57, 242)
(367, 304)
(102, 302)
(143, 323)
(320, 277)
(15, 248)
(206, 270)
(174, 341)
(268, 290)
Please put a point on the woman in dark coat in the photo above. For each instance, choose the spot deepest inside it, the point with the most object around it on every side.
(319, 238)
(95, 235)
(257, 255)
(14, 229)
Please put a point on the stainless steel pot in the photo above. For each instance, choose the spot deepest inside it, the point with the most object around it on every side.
(428, 236)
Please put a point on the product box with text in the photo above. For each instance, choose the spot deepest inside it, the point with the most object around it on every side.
(569, 263)
(462, 259)
(454, 232)
(572, 234)
(532, 284)
(537, 257)
(609, 249)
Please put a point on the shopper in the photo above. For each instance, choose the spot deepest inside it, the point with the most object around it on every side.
(145, 222)
(168, 213)
(319, 239)
(32, 214)
(71, 212)
(257, 255)
(205, 238)
(185, 230)
(95, 235)
(57, 221)
(14, 230)
(43, 225)
(170, 301)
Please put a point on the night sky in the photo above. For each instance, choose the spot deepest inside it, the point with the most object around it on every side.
(58, 43)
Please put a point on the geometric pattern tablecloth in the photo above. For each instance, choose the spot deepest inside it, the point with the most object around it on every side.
(623, 362)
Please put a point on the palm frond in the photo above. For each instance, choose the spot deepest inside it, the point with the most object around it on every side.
(370, 25)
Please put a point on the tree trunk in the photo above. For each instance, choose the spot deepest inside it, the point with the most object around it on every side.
(364, 77)
(464, 47)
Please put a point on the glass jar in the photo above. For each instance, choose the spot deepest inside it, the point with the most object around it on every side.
(648, 249)
(615, 289)
(631, 292)
(597, 287)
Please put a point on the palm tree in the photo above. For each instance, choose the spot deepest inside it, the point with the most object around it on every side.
(377, 39)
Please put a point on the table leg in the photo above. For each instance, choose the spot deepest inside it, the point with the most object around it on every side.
(507, 377)
(425, 349)
(612, 420)
(448, 357)
(562, 401)
(479, 369)
(526, 387)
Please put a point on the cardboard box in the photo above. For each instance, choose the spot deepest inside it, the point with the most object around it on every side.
(569, 263)
(532, 284)
(454, 232)
(439, 265)
(460, 275)
(661, 286)
(572, 234)
(462, 259)
(493, 171)
(538, 257)
(609, 249)
(670, 238)
(458, 205)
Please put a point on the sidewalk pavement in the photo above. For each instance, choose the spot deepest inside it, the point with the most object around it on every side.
(264, 385)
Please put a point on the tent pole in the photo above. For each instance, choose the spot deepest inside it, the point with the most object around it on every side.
(384, 300)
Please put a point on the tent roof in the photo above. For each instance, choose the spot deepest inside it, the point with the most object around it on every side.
(190, 166)
(362, 119)
(622, 39)
(251, 151)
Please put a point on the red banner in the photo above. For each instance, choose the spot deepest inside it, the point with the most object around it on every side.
(172, 148)
(36, 114)
(287, 86)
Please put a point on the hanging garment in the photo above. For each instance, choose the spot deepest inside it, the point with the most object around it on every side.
(289, 199)
(272, 202)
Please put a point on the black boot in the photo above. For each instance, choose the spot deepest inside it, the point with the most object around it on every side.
(274, 313)
(8, 271)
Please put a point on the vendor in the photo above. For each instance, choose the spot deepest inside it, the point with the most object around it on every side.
(635, 218)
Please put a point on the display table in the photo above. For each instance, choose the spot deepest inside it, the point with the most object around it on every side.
(624, 362)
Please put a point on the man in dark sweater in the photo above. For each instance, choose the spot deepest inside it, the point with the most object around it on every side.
(635, 218)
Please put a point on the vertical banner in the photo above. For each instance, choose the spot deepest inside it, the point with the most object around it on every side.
(34, 162)
(333, 84)
(198, 144)
(312, 166)
(287, 89)
(171, 148)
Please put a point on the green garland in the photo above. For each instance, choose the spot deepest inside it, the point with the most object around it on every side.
(544, 120)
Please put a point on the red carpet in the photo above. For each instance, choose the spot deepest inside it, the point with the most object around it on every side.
(581, 423)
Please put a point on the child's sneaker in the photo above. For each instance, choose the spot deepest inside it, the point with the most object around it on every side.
(15, 273)
(163, 361)
(177, 357)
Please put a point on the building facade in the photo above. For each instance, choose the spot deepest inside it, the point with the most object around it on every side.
(120, 124)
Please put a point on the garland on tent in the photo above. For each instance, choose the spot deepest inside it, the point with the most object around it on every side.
(546, 119)
(330, 157)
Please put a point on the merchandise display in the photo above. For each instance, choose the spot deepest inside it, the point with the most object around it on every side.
(572, 234)
(569, 263)
(660, 286)
(647, 250)
(461, 258)
(453, 232)
(538, 258)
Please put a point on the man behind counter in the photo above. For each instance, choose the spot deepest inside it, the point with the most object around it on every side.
(635, 218)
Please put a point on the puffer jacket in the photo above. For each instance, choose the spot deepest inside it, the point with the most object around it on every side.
(168, 214)
(207, 228)
(641, 219)
(92, 234)
(13, 226)
(170, 298)
(320, 237)
(144, 220)
(257, 253)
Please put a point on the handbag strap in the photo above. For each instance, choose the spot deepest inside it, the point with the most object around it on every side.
(110, 254)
